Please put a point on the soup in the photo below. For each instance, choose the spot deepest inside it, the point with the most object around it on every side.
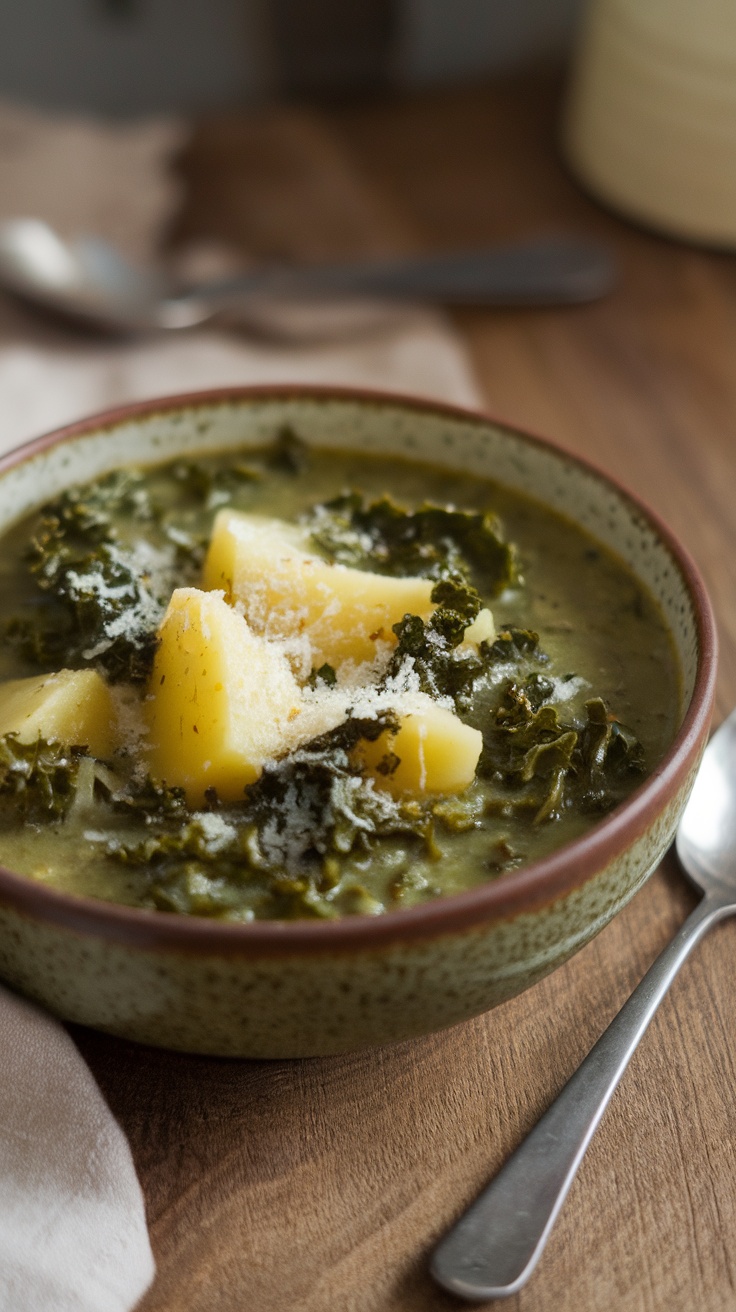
(303, 683)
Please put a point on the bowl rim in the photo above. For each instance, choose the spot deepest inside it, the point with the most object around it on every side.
(525, 890)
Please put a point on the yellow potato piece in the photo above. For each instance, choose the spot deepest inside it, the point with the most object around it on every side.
(286, 590)
(73, 707)
(437, 753)
(220, 698)
(481, 630)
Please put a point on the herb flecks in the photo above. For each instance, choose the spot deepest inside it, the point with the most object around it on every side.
(325, 676)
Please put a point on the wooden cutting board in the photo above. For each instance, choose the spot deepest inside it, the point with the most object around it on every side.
(321, 1186)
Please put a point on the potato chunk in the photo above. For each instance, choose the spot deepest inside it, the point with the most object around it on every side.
(481, 630)
(220, 698)
(74, 708)
(287, 590)
(437, 753)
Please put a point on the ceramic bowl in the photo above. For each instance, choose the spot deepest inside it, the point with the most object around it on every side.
(275, 989)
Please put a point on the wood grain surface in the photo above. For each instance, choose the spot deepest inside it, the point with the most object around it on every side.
(320, 1185)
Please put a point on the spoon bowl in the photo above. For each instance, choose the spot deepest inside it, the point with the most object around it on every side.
(706, 836)
(86, 280)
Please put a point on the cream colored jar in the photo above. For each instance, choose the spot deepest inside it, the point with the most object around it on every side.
(650, 122)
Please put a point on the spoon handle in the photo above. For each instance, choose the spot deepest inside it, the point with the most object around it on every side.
(495, 1246)
(544, 271)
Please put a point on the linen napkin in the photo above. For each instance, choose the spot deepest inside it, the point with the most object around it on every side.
(72, 1222)
(73, 1232)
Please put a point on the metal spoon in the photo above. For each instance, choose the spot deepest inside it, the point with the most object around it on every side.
(492, 1251)
(90, 281)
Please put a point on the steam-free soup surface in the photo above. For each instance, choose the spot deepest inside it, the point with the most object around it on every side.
(575, 694)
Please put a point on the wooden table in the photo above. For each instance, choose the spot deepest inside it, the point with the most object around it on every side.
(320, 1186)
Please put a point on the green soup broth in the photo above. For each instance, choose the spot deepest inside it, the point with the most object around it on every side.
(602, 677)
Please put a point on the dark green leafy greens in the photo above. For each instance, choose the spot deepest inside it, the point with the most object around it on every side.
(287, 835)
(103, 591)
(324, 675)
(150, 800)
(288, 454)
(543, 764)
(432, 647)
(281, 849)
(432, 542)
(513, 644)
(38, 780)
(212, 486)
(105, 597)
(443, 663)
(456, 548)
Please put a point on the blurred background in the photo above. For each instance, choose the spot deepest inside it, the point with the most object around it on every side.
(127, 57)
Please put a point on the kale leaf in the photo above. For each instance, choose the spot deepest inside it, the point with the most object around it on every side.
(287, 835)
(433, 648)
(432, 542)
(316, 800)
(430, 648)
(212, 486)
(544, 764)
(38, 780)
(512, 644)
(121, 492)
(150, 799)
(288, 454)
(610, 753)
(105, 599)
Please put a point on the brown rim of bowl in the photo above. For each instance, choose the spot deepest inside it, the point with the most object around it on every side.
(529, 888)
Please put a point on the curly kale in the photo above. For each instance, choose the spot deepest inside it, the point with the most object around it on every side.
(432, 542)
(105, 599)
(121, 492)
(289, 832)
(315, 801)
(544, 764)
(154, 802)
(38, 780)
(210, 485)
(446, 666)
(431, 649)
(512, 644)
(610, 754)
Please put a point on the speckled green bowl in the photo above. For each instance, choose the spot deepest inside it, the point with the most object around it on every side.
(274, 989)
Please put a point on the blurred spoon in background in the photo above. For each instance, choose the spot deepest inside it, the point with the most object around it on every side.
(91, 283)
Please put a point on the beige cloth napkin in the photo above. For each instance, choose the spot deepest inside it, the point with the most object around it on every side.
(73, 1232)
(72, 1224)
